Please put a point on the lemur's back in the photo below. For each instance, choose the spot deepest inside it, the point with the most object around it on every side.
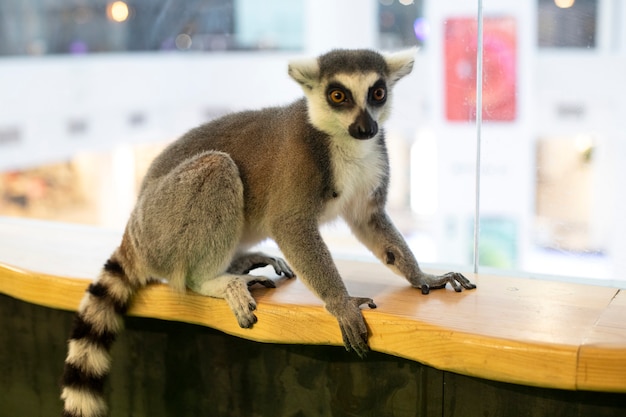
(240, 135)
(277, 151)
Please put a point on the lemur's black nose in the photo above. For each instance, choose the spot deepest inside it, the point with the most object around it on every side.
(364, 127)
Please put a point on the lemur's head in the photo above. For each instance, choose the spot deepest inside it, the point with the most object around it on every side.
(349, 91)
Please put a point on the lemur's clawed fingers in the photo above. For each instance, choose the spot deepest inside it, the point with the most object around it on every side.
(245, 263)
(354, 334)
(455, 279)
(281, 268)
(352, 325)
(354, 341)
(264, 281)
(359, 301)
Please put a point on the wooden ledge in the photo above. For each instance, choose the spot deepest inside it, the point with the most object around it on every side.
(539, 333)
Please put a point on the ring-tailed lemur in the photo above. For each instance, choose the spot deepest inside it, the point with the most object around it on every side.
(275, 173)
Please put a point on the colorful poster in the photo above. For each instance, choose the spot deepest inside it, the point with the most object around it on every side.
(499, 69)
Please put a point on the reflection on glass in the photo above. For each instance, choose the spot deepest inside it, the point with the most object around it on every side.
(567, 23)
(68, 27)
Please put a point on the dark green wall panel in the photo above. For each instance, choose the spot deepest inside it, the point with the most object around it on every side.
(174, 369)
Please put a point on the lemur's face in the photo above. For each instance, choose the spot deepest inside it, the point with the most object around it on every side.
(350, 103)
(348, 92)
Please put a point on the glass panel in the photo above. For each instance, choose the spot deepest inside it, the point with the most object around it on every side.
(36, 27)
(79, 131)
(550, 181)
(87, 125)
(443, 153)
(84, 124)
(567, 23)
(401, 24)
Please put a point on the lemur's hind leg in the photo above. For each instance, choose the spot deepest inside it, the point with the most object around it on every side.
(233, 286)
(200, 235)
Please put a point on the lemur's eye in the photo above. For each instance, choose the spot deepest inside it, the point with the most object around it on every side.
(379, 94)
(337, 96)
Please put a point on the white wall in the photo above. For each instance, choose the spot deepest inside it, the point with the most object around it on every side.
(172, 93)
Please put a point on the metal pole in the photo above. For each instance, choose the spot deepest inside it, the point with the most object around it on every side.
(479, 122)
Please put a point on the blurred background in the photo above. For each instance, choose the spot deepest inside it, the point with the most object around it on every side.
(92, 90)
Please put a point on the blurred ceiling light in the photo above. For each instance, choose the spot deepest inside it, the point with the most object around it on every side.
(118, 11)
(564, 4)
(407, 2)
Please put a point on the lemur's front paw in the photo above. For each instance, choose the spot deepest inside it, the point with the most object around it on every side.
(352, 324)
(434, 282)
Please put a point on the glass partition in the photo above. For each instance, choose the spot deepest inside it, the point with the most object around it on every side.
(92, 91)
(552, 176)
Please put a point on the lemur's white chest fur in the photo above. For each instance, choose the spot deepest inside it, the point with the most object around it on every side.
(348, 106)
(357, 168)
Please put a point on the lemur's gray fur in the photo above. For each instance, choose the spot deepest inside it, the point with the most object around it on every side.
(275, 173)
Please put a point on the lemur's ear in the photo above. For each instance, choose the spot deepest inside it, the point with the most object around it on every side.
(400, 63)
(305, 71)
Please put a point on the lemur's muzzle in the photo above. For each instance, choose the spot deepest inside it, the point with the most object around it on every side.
(364, 127)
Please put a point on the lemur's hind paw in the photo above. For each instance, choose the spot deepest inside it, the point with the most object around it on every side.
(455, 279)
(241, 303)
(246, 262)
(264, 281)
(281, 267)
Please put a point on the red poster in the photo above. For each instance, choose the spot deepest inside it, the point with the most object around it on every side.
(499, 69)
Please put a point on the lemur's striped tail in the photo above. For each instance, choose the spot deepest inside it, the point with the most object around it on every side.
(96, 326)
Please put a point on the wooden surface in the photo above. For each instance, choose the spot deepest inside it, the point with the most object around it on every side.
(530, 332)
